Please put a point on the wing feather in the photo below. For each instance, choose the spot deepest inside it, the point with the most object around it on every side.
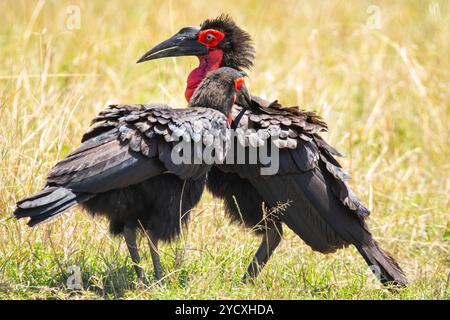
(295, 133)
(128, 144)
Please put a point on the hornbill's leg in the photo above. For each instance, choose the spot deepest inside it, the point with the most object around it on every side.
(271, 239)
(153, 244)
(130, 238)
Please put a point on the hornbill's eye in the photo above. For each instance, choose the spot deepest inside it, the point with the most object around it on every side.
(210, 37)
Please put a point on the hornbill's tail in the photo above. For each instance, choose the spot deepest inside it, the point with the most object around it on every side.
(383, 265)
(47, 204)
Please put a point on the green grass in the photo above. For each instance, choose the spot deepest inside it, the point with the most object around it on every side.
(384, 92)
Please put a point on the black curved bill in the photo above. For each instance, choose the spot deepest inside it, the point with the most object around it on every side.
(183, 43)
(247, 99)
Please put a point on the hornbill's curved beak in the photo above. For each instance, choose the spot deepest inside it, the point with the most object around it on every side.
(247, 99)
(183, 43)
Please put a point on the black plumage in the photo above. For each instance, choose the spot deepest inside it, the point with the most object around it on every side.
(322, 210)
(124, 168)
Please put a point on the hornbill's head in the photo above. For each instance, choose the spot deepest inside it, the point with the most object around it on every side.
(216, 42)
(219, 91)
(219, 34)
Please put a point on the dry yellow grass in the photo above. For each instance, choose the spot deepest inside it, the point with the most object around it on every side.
(381, 84)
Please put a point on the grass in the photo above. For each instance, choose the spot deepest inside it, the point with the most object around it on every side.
(384, 92)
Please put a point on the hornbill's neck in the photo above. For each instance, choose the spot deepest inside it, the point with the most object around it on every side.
(210, 62)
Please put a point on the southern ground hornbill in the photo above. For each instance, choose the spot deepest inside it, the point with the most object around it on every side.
(124, 169)
(322, 208)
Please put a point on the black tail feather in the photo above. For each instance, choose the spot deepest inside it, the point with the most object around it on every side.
(383, 265)
(47, 204)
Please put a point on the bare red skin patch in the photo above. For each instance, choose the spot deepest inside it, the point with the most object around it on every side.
(230, 118)
(238, 83)
(210, 37)
(207, 64)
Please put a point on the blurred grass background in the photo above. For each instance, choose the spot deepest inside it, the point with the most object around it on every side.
(377, 71)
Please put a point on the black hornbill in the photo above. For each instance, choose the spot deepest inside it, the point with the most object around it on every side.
(124, 168)
(322, 208)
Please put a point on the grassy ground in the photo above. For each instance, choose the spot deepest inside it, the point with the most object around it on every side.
(379, 75)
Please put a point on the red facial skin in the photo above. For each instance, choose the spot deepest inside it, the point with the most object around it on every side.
(210, 38)
(238, 83)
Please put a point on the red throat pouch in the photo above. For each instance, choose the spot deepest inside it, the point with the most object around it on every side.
(207, 64)
(230, 118)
